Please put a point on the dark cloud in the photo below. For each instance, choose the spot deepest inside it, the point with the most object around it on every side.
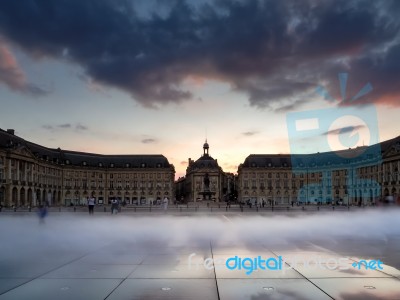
(149, 141)
(78, 126)
(66, 125)
(249, 133)
(271, 50)
(347, 129)
(81, 127)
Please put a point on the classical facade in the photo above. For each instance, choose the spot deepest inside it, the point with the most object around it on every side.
(31, 174)
(204, 180)
(364, 175)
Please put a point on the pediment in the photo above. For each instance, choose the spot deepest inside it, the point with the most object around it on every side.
(23, 151)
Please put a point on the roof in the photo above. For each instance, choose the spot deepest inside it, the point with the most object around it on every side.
(205, 161)
(371, 154)
(10, 141)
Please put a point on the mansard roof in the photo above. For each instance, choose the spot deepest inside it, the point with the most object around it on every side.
(11, 141)
(364, 154)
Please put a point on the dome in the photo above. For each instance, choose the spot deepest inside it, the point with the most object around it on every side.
(204, 162)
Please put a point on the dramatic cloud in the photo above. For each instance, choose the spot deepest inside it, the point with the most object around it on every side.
(12, 75)
(273, 51)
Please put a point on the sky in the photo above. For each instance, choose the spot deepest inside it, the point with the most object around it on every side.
(159, 77)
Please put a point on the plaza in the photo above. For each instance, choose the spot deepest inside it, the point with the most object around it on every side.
(161, 255)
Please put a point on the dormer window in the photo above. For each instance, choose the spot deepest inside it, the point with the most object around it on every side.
(143, 165)
(111, 165)
(100, 164)
(158, 165)
(127, 165)
(269, 164)
(84, 163)
(253, 165)
(67, 162)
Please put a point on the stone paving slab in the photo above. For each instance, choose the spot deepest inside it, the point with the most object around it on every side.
(123, 259)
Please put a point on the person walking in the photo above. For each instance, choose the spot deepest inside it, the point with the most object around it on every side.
(165, 203)
(91, 201)
(114, 206)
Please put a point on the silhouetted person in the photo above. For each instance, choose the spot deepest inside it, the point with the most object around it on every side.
(91, 203)
(42, 213)
(114, 206)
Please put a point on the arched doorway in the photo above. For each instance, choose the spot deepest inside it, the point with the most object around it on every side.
(38, 200)
(14, 196)
(2, 195)
(68, 199)
(29, 197)
(43, 199)
(22, 197)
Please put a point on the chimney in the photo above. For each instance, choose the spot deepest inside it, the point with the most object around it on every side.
(11, 131)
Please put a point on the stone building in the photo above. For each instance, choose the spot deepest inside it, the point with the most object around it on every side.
(204, 180)
(31, 174)
(364, 175)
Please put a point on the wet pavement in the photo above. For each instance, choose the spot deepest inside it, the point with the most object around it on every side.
(109, 258)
